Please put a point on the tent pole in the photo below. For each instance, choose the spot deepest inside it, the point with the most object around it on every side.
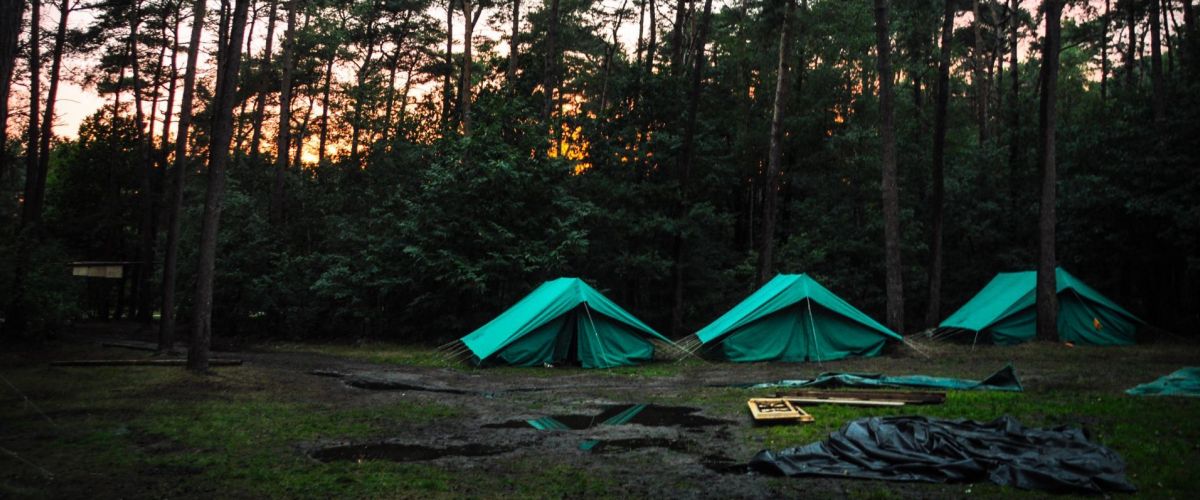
(596, 333)
(913, 345)
(813, 324)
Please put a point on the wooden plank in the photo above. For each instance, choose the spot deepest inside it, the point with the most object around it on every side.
(142, 362)
(776, 410)
(99, 271)
(851, 402)
(908, 397)
(137, 346)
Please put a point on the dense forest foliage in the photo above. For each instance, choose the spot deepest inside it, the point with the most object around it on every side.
(405, 169)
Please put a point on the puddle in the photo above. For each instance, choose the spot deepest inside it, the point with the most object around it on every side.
(391, 385)
(321, 372)
(397, 452)
(619, 445)
(725, 465)
(648, 415)
(375, 383)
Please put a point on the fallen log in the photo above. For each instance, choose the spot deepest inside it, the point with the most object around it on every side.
(142, 362)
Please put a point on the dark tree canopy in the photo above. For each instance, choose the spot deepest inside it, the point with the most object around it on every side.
(417, 183)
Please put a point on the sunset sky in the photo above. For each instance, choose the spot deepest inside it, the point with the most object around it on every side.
(76, 102)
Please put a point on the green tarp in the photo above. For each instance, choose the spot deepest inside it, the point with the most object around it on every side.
(793, 318)
(563, 321)
(1005, 311)
(1183, 382)
(1003, 380)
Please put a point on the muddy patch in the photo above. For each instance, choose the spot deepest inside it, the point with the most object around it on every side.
(154, 443)
(632, 444)
(383, 383)
(392, 385)
(647, 415)
(725, 465)
(399, 452)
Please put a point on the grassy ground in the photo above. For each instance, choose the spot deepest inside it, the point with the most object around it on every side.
(245, 431)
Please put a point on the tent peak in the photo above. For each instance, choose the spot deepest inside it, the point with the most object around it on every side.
(547, 305)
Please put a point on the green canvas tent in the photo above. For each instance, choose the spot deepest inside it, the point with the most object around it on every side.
(563, 321)
(792, 318)
(1005, 310)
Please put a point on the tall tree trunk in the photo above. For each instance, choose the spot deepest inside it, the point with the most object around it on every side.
(609, 52)
(470, 17)
(641, 39)
(652, 38)
(677, 36)
(399, 43)
(360, 95)
(298, 139)
(389, 109)
(242, 116)
(937, 197)
(10, 30)
(31, 214)
(163, 152)
(260, 102)
(643, 132)
(447, 82)
(165, 135)
(1156, 71)
(1131, 49)
(117, 90)
(513, 44)
(47, 129)
(1167, 14)
(686, 159)
(1189, 23)
(891, 189)
(218, 155)
(978, 82)
(166, 329)
(147, 235)
(16, 319)
(324, 135)
(172, 84)
(1104, 52)
(408, 80)
(1014, 126)
(550, 80)
(283, 141)
(1047, 297)
(1141, 48)
(995, 65)
(156, 89)
(766, 263)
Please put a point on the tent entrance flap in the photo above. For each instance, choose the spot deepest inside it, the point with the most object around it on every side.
(803, 332)
(548, 344)
(563, 321)
(1005, 309)
(604, 344)
(579, 339)
(793, 318)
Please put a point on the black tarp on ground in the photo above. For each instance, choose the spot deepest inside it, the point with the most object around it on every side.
(955, 451)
